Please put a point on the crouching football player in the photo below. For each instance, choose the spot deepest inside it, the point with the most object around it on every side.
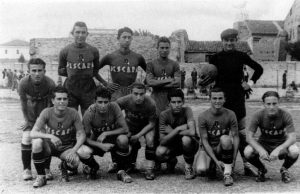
(63, 137)
(277, 139)
(218, 129)
(177, 134)
(107, 131)
(140, 117)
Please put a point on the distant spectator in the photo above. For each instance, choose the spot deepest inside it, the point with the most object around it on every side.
(4, 72)
(284, 80)
(194, 78)
(14, 80)
(294, 86)
(9, 77)
(182, 73)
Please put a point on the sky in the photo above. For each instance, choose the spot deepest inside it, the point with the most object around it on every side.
(202, 19)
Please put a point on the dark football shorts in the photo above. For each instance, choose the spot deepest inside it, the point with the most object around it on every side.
(269, 146)
(51, 150)
(176, 148)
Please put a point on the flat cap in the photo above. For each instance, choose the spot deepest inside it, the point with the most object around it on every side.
(229, 33)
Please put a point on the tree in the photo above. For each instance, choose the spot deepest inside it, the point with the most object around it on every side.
(294, 50)
(21, 59)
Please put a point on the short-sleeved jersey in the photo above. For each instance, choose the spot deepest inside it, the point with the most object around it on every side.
(123, 67)
(138, 115)
(64, 127)
(217, 125)
(168, 118)
(36, 96)
(78, 61)
(273, 129)
(160, 70)
(97, 122)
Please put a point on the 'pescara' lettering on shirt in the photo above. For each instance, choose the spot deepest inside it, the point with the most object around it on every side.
(105, 127)
(59, 132)
(272, 132)
(124, 69)
(217, 131)
(80, 65)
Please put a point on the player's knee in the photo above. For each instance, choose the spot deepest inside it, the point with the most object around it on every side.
(149, 141)
(161, 151)
(122, 141)
(293, 151)
(186, 141)
(75, 162)
(37, 145)
(84, 152)
(248, 152)
(226, 142)
(26, 139)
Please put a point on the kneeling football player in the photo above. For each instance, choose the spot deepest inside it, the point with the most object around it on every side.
(277, 139)
(140, 117)
(177, 134)
(64, 137)
(107, 131)
(218, 130)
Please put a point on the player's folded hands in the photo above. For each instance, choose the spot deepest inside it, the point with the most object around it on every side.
(55, 140)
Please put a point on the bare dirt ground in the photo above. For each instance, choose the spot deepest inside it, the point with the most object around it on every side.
(11, 167)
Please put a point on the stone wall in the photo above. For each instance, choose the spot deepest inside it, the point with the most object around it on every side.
(272, 76)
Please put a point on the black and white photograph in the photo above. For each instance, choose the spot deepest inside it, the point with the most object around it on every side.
(149, 96)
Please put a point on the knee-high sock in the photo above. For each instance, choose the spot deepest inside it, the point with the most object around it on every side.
(288, 162)
(26, 156)
(39, 162)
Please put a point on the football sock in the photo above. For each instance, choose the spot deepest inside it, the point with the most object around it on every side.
(39, 162)
(26, 156)
(288, 162)
(255, 161)
(227, 168)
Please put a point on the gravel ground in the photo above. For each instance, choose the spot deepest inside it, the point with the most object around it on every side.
(11, 167)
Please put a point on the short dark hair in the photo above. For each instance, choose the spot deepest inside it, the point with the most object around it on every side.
(175, 93)
(36, 61)
(79, 24)
(138, 85)
(270, 93)
(103, 93)
(216, 89)
(163, 39)
(59, 89)
(125, 29)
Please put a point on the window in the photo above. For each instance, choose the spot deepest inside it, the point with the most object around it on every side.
(256, 39)
(18, 52)
(5, 51)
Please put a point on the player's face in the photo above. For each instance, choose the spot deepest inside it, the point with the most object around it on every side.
(272, 105)
(163, 49)
(176, 104)
(125, 40)
(217, 100)
(229, 44)
(102, 104)
(80, 34)
(37, 72)
(138, 95)
(60, 101)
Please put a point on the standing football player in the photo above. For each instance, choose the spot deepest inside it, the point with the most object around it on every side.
(277, 139)
(35, 90)
(218, 130)
(123, 64)
(140, 113)
(230, 63)
(63, 137)
(107, 131)
(79, 62)
(177, 134)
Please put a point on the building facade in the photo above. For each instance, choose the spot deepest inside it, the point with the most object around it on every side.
(292, 22)
(14, 49)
